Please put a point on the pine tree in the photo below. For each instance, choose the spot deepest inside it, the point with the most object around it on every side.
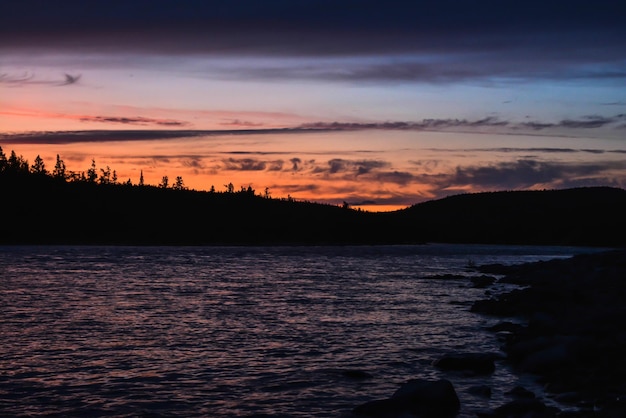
(105, 175)
(179, 184)
(38, 167)
(59, 169)
(92, 175)
(3, 161)
(17, 164)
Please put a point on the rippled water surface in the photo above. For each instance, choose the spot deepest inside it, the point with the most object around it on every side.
(237, 332)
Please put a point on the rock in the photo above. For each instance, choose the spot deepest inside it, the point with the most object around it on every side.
(568, 397)
(526, 408)
(477, 363)
(506, 326)
(356, 374)
(483, 281)
(418, 397)
(575, 337)
(519, 392)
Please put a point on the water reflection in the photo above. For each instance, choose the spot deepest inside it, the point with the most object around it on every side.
(178, 331)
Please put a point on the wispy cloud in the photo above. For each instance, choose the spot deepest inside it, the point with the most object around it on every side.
(425, 124)
(484, 125)
(440, 68)
(30, 79)
(251, 164)
(242, 123)
(137, 120)
(585, 122)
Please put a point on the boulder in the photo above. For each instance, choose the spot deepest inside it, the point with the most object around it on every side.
(525, 408)
(477, 363)
(519, 392)
(480, 282)
(417, 397)
(356, 374)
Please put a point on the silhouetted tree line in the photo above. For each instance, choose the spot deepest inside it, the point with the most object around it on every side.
(42, 206)
(16, 165)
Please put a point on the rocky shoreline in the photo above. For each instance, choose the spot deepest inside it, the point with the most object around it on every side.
(574, 339)
(564, 324)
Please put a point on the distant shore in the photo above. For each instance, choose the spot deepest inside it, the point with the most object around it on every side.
(43, 209)
(575, 337)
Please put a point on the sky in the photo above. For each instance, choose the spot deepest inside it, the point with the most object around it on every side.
(380, 104)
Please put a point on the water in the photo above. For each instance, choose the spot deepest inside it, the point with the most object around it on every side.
(238, 331)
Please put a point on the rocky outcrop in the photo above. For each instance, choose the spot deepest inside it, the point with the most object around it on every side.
(575, 337)
(475, 363)
(417, 397)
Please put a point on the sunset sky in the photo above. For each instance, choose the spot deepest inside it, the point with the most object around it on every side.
(381, 104)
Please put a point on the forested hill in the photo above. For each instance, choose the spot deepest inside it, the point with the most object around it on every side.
(38, 209)
(580, 216)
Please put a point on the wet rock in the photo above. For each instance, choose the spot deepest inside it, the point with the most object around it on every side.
(520, 393)
(483, 281)
(506, 326)
(568, 397)
(477, 363)
(417, 397)
(525, 408)
(575, 337)
(356, 374)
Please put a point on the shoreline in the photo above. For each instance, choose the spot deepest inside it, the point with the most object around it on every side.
(574, 335)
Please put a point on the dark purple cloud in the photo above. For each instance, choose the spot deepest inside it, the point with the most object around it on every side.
(20, 80)
(137, 120)
(351, 167)
(94, 136)
(438, 41)
(527, 173)
(244, 164)
(425, 124)
(456, 125)
(314, 27)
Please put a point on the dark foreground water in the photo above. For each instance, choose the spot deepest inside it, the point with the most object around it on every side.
(238, 332)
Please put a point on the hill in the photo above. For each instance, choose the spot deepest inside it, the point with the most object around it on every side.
(38, 209)
(580, 216)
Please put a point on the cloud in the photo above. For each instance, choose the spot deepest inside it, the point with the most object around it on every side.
(95, 136)
(295, 188)
(443, 41)
(194, 162)
(244, 164)
(70, 79)
(524, 174)
(424, 124)
(295, 164)
(487, 124)
(138, 120)
(585, 122)
(251, 164)
(30, 79)
(352, 167)
(312, 28)
(439, 68)
(543, 150)
(397, 177)
(242, 123)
